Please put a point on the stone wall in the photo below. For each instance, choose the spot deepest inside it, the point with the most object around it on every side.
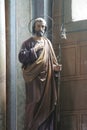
(23, 16)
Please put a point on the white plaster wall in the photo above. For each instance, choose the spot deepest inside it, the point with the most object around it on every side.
(2, 67)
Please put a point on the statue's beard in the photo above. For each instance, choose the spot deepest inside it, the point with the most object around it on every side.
(39, 33)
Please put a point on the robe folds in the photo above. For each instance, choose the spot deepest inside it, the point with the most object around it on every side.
(41, 94)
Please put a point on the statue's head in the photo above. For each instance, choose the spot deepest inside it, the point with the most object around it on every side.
(39, 27)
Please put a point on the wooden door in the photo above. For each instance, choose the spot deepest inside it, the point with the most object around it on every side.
(73, 88)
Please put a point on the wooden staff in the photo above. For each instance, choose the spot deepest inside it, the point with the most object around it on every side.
(58, 80)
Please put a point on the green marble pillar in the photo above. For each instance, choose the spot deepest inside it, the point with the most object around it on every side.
(18, 15)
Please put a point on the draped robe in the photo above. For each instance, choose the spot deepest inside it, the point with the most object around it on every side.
(41, 94)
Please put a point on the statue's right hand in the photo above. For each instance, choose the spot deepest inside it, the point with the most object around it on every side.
(38, 47)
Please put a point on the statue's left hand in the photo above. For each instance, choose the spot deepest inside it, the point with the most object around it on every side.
(57, 67)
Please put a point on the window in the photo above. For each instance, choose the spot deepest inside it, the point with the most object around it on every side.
(79, 10)
(74, 15)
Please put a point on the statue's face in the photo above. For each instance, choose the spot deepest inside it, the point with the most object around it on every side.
(40, 28)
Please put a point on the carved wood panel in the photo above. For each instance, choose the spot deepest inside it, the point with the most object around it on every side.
(73, 88)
